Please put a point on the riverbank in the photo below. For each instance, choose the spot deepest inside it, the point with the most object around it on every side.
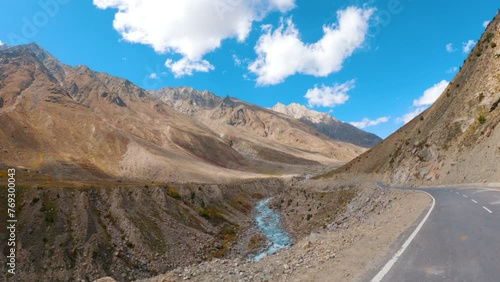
(355, 242)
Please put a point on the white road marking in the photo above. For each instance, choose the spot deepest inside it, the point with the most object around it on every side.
(495, 203)
(487, 209)
(465, 196)
(393, 260)
(474, 201)
(482, 190)
(457, 193)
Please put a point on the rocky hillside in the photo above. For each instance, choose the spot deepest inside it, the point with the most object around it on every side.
(72, 231)
(256, 131)
(328, 125)
(457, 139)
(72, 121)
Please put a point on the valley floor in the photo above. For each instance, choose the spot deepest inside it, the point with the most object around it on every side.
(352, 247)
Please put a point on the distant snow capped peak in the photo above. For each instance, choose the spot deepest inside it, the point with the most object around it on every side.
(299, 111)
(328, 125)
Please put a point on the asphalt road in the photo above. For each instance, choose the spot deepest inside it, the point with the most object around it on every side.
(459, 241)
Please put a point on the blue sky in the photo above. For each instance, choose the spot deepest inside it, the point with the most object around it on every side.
(373, 63)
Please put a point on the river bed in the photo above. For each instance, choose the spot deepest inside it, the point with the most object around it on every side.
(268, 222)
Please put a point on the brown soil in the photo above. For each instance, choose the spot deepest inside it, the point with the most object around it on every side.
(351, 246)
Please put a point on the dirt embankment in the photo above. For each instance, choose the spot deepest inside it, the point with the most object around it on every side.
(341, 234)
(130, 232)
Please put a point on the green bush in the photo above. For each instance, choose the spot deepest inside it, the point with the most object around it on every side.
(203, 213)
(229, 230)
(481, 119)
(35, 200)
(173, 193)
(489, 37)
(209, 213)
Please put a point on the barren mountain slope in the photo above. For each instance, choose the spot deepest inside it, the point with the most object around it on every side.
(256, 131)
(328, 125)
(71, 121)
(457, 140)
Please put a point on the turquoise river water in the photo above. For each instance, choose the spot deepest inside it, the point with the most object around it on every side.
(268, 222)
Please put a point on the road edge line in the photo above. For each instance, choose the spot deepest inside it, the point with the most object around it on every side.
(387, 267)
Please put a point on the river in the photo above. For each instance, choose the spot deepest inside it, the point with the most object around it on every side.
(268, 222)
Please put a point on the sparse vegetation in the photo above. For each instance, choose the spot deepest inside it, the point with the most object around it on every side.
(229, 231)
(171, 192)
(493, 45)
(210, 213)
(489, 36)
(130, 244)
(481, 119)
(229, 235)
(35, 200)
(49, 210)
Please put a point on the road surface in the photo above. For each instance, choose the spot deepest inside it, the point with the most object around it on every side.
(459, 240)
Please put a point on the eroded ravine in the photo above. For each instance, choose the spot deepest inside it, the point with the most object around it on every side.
(268, 221)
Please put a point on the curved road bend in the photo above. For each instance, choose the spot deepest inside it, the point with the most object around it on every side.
(459, 242)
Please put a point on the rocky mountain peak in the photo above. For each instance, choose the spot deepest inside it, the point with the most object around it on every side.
(299, 111)
(44, 58)
(328, 125)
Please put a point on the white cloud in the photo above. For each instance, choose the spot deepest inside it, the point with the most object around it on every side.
(153, 76)
(430, 95)
(237, 61)
(326, 96)
(452, 70)
(281, 53)
(186, 66)
(485, 24)
(191, 28)
(367, 122)
(423, 102)
(467, 46)
(411, 115)
(449, 48)
(1, 43)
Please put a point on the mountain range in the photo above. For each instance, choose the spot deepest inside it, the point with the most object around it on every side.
(72, 121)
(329, 125)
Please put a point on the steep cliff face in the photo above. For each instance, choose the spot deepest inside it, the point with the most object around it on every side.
(457, 139)
(74, 122)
